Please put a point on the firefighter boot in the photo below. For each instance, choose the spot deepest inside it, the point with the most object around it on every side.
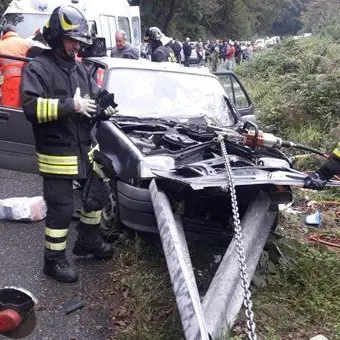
(57, 266)
(90, 242)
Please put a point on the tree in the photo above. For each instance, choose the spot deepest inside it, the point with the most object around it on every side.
(3, 6)
(320, 13)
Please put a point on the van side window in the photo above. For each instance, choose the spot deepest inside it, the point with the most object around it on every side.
(93, 27)
(113, 29)
(124, 24)
(104, 24)
(135, 22)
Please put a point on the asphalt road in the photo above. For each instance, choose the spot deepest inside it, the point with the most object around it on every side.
(21, 261)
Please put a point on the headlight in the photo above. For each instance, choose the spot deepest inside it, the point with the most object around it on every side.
(150, 163)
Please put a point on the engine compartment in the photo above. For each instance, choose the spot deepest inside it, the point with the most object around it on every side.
(192, 142)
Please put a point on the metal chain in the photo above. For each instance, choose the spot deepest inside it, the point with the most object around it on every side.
(239, 244)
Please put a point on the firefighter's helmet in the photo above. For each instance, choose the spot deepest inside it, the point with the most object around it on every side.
(153, 33)
(66, 21)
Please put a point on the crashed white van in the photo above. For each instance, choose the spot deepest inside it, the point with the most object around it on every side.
(105, 17)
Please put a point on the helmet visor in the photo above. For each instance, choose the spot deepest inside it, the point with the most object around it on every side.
(82, 38)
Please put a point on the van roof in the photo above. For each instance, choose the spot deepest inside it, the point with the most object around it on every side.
(144, 64)
(47, 6)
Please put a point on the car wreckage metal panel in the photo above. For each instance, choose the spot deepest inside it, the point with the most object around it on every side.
(242, 176)
(224, 298)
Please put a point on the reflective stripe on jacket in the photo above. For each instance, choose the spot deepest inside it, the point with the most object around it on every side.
(62, 137)
(336, 151)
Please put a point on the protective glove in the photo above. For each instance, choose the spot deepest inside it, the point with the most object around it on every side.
(315, 181)
(84, 106)
(110, 111)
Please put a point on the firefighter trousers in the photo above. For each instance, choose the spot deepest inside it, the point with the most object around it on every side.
(58, 194)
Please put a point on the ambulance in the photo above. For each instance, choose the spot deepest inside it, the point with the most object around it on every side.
(105, 17)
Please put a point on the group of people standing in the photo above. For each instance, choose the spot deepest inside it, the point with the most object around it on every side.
(211, 54)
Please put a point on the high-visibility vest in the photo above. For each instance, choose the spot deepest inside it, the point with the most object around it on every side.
(12, 44)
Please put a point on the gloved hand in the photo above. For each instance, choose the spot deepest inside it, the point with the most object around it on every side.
(110, 111)
(84, 106)
(315, 181)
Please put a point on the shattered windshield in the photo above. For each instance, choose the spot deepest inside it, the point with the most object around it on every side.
(26, 24)
(170, 95)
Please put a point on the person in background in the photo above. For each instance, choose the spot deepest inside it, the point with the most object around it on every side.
(230, 56)
(144, 50)
(177, 48)
(331, 167)
(160, 44)
(207, 52)
(187, 52)
(123, 48)
(214, 55)
(238, 52)
(248, 52)
(224, 47)
(11, 44)
(200, 51)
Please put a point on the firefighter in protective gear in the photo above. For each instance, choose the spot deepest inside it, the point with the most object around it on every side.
(57, 95)
(11, 44)
(161, 50)
(318, 179)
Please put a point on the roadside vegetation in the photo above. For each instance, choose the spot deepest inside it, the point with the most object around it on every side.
(296, 89)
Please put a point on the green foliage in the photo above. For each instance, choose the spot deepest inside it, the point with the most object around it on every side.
(235, 19)
(303, 296)
(296, 90)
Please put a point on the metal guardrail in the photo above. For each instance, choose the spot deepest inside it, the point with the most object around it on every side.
(213, 318)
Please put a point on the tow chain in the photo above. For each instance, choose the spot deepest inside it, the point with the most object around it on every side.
(239, 243)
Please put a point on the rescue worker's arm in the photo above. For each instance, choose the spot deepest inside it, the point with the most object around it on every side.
(318, 179)
(332, 166)
(39, 109)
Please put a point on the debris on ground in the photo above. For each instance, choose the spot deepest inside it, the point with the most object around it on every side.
(73, 306)
(314, 220)
(319, 337)
(28, 209)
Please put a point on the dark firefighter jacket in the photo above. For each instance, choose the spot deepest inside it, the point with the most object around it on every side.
(163, 54)
(62, 137)
(332, 166)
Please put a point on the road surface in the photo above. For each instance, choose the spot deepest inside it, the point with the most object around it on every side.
(21, 261)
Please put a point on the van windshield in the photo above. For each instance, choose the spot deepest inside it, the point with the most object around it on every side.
(25, 23)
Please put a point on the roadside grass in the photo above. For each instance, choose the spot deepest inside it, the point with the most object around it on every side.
(303, 300)
(149, 309)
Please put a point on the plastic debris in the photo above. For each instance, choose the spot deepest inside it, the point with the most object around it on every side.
(23, 209)
(314, 220)
(319, 337)
(73, 306)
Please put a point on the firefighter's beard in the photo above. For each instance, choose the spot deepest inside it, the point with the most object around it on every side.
(69, 49)
(68, 56)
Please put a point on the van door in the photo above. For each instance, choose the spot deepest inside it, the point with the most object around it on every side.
(17, 149)
(237, 94)
(135, 26)
(108, 27)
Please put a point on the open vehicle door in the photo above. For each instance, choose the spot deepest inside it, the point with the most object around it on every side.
(17, 149)
(237, 94)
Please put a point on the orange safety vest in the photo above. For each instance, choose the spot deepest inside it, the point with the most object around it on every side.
(12, 44)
